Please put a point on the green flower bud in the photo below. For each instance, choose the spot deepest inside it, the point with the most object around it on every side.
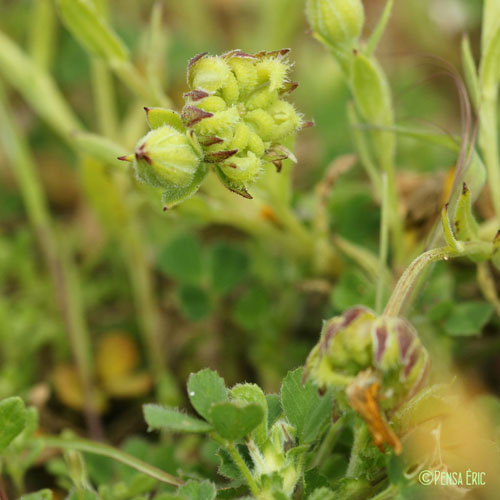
(166, 157)
(337, 22)
(358, 341)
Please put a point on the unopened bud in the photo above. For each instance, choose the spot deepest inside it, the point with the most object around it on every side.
(166, 157)
(358, 341)
(337, 22)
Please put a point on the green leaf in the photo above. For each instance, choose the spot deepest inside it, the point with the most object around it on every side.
(395, 468)
(252, 393)
(181, 259)
(470, 72)
(39, 495)
(157, 117)
(234, 420)
(171, 419)
(274, 409)
(304, 408)
(353, 288)
(198, 490)
(194, 302)
(12, 420)
(228, 266)
(468, 318)
(204, 389)
(227, 467)
(314, 480)
(252, 308)
(91, 29)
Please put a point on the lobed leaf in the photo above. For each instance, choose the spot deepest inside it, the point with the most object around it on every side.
(12, 420)
(304, 408)
(233, 420)
(170, 419)
(206, 388)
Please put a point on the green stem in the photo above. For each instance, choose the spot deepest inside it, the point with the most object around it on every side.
(377, 33)
(328, 442)
(363, 150)
(394, 219)
(104, 98)
(384, 245)
(412, 273)
(388, 494)
(43, 28)
(142, 286)
(489, 144)
(361, 438)
(104, 450)
(240, 463)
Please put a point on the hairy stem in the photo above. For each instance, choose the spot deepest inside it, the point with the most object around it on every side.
(230, 447)
(361, 438)
(409, 278)
(328, 442)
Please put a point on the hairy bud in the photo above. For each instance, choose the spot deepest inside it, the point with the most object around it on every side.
(337, 22)
(235, 119)
(358, 341)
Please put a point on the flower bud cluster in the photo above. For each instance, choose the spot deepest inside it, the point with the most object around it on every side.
(358, 341)
(237, 111)
(235, 118)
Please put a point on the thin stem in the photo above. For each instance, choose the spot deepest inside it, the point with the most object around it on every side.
(412, 273)
(364, 151)
(388, 494)
(384, 245)
(240, 463)
(327, 444)
(142, 286)
(361, 437)
(377, 33)
(105, 450)
(104, 98)
(394, 219)
(489, 145)
(43, 28)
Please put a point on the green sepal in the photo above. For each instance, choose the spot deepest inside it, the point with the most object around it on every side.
(173, 195)
(232, 186)
(466, 228)
(448, 231)
(157, 117)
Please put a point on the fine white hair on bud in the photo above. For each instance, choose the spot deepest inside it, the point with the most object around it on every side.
(235, 119)
(337, 22)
